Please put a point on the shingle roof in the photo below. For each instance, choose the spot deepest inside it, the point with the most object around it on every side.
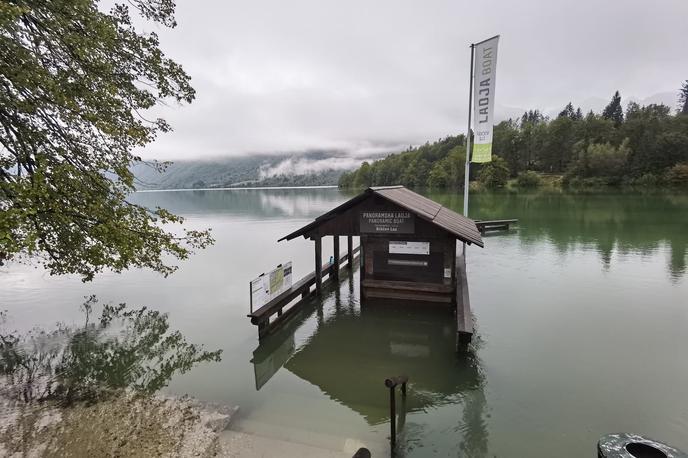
(460, 226)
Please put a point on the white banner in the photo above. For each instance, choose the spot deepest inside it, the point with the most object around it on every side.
(483, 94)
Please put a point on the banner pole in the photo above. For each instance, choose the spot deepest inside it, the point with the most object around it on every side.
(468, 138)
(467, 170)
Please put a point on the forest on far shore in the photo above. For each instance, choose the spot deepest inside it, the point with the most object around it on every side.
(641, 146)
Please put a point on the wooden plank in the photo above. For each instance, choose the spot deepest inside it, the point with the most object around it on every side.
(496, 221)
(464, 319)
(409, 296)
(409, 286)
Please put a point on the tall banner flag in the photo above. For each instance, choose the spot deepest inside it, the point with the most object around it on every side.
(483, 94)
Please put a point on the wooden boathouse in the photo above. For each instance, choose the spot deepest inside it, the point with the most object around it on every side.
(408, 252)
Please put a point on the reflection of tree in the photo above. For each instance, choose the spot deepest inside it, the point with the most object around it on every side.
(132, 349)
(609, 222)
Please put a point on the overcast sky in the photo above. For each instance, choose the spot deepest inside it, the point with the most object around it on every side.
(362, 76)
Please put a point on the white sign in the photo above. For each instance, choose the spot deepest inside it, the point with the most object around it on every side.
(422, 248)
(484, 92)
(268, 286)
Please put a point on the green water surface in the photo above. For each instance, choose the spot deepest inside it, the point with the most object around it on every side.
(581, 318)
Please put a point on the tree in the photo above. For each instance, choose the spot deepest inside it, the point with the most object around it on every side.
(558, 146)
(683, 99)
(75, 83)
(613, 111)
(364, 176)
(507, 144)
(601, 160)
(567, 112)
(494, 174)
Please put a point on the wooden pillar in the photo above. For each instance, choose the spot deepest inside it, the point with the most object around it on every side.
(361, 270)
(335, 257)
(350, 251)
(318, 264)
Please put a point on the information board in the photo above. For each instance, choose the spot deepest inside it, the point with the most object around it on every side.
(270, 285)
(387, 222)
(396, 247)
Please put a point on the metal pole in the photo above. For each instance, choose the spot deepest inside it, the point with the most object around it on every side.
(392, 419)
(467, 172)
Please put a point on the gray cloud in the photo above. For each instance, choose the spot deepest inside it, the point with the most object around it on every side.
(364, 77)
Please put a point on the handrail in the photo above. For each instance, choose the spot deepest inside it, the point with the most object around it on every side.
(262, 316)
(305, 283)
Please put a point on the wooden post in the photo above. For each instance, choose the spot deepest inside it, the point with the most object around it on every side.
(318, 265)
(335, 269)
(392, 420)
(350, 251)
(361, 271)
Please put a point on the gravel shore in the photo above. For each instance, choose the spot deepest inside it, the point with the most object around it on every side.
(123, 426)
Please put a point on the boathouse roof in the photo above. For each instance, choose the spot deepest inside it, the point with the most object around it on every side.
(458, 225)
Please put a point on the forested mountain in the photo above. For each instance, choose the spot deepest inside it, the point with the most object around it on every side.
(641, 145)
(307, 169)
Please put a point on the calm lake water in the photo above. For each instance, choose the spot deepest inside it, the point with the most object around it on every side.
(581, 315)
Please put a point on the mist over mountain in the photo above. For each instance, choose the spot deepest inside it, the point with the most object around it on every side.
(314, 168)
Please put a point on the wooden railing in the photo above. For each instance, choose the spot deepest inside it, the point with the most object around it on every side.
(261, 317)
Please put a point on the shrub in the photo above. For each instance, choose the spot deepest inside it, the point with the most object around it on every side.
(678, 175)
(494, 174)
(439, 175)
(528, 179)
(647, 180)
(601, 160)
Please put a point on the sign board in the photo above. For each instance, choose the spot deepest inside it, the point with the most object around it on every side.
(422, 248)
(387, 222)
(270, 285)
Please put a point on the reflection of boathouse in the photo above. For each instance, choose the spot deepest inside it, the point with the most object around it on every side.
(413, 340)
(398, 340)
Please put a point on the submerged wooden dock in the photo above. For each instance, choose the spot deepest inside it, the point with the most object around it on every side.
(495, 225)
(272, 315)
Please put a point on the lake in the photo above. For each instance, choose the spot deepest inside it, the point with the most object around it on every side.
(581, 318)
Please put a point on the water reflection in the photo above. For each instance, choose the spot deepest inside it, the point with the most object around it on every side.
(250, 203)
(611, 223)
(353, 349)
(123, 349)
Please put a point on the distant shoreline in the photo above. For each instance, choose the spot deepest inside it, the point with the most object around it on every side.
(238, 189)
